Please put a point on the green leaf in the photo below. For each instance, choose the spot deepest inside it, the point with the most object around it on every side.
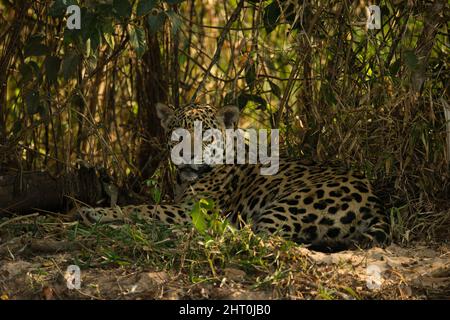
(26, 72)
(108, 27)
(137, 40)
(271, 15)
(250, 75)
(43, 111)
(35, 47)
(108, 33)
(156, 20)
(201, 218)
(31, 99)
(352, 293)
(31, 71)
(71, 36)
(275, 89)
(38, 49)
(109, 38)
(91, 33)
(394, 67)
(52, 65)
(70, 65)
(89, 21)
(243, 98)
(145, 6)
(95, 39)
(122, 8)
(36, 69)
(59, 8)
(156, 195)
(411, 59)
(175, 20)
(198, 218)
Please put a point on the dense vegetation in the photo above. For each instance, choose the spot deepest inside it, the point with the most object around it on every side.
(372, 99)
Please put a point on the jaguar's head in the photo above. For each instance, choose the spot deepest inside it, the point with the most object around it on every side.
(186, 118)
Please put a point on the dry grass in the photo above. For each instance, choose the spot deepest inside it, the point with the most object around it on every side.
(149, 261)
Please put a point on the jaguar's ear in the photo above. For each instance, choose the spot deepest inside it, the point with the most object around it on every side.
(165, 114)
(229, 116)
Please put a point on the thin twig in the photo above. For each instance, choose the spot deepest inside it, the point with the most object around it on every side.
(220, 43)
(18, 219)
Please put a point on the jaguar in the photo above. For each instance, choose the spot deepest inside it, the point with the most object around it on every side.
(316, 205)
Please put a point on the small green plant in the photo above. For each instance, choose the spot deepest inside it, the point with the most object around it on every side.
(155, 190)
(399, 228)
(207, 219)
(325, 293)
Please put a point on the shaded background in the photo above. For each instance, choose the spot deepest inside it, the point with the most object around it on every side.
(370, 99)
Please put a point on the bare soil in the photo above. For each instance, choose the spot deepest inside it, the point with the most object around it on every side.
(34, 267)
